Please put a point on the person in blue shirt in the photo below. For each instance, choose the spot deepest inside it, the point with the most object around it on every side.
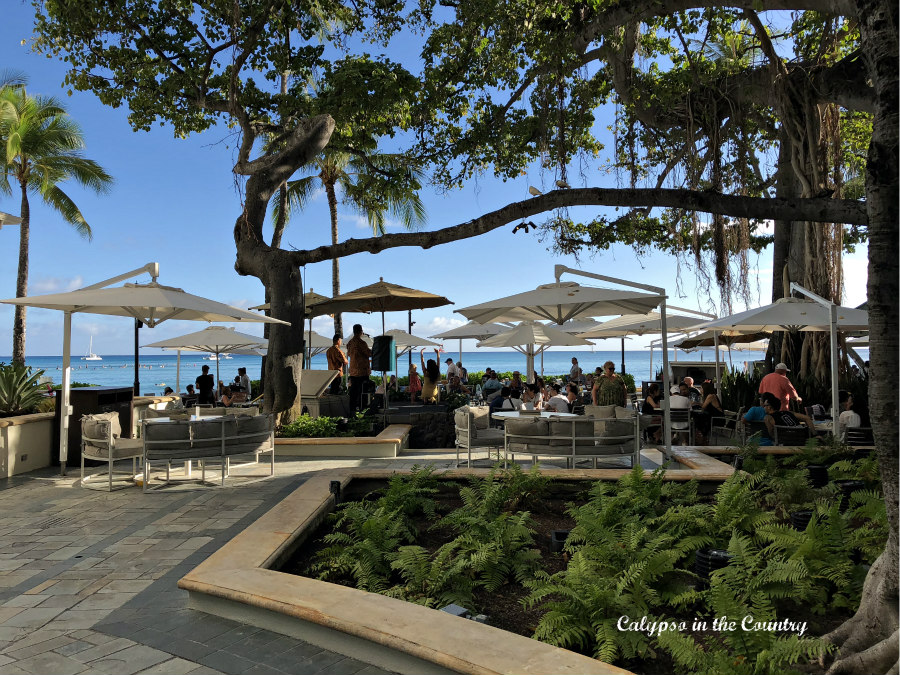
(758, 414)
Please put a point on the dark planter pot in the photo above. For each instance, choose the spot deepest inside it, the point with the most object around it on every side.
(557, 539)
(818, 475)
(800, 519)
(848, 487)
(707, 561)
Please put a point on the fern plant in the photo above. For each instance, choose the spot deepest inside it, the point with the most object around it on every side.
(748, 587)
(432, 581)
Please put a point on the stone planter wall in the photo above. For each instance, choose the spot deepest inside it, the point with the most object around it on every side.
(25, 443)
(431, 430)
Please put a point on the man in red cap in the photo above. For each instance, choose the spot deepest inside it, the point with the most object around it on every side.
(778, 384)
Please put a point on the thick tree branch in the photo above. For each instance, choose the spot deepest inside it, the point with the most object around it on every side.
(815, 210)
(640, 10)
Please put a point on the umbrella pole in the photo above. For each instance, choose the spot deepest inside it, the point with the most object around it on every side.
(667, 417)
(137, 365)
(64, 393)
(460, 350)
(716, 347)
(178, 373)
(623, 354)
(217, 368)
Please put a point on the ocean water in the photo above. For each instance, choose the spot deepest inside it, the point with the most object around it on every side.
(158, 371)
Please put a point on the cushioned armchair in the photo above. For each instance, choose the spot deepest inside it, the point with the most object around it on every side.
(473, 432)
(101, 440)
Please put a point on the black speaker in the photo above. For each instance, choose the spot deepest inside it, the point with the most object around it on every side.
(384, 357)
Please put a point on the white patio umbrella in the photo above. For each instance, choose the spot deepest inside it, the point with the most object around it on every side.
(794, 314)
(150, 304)
(404, 341)
(638, 324)
(532, 338)
(9, 219)
(567, 301)
(471, 331)
(561, 302)
(214, 339)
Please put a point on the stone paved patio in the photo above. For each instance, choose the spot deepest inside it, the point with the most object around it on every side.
(88, 578)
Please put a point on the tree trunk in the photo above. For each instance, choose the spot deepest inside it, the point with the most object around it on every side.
(275, 268)
(335, 264)
(18, 353)
(868, 641)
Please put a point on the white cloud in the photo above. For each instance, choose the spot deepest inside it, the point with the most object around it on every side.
(357, 220)
(56, 284)
(439, 324)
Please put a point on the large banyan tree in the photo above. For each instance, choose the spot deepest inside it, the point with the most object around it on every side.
(724, 117)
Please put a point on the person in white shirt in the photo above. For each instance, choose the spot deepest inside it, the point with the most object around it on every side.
(677, 401)
(848, 417)
(562, 403)
(575, 371)
(245, 382)
(452, 370)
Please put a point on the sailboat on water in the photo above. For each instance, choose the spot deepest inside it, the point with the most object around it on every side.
(91, 356)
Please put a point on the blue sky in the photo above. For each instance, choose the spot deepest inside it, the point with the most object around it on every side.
(175, 202)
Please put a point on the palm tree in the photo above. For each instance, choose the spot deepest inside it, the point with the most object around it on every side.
(42, 148)
(376, 186)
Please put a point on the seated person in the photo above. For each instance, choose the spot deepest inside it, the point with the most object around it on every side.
(189, 398)
(678, 399)
(711, 407)
(227, 397)
(785, 418)
(455, 385)
(692, 394)
(651, 407)
(177, 404)
(492, 387)
(516, 385)
(757, 413)
(560, 402)
(529, 394)
(504, 401)
(849, 418)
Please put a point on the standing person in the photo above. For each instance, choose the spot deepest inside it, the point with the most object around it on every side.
(360, 367)
(415, 384)
(575, 371)
(650, 408)
(462, 373)
(337, 360)
(431, 378)
(205, 384)
(245, 382)
(778, 384)
(609, 388)
(452, 370)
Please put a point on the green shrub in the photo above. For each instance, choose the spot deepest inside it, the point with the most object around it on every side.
(58, 387)
(20, 392)
(327, 427)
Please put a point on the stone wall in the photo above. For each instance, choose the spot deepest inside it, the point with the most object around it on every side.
(431, 430)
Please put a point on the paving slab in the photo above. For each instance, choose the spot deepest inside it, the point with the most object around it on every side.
(95, 593)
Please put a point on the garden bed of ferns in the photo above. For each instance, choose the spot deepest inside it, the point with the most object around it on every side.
(485, 545)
